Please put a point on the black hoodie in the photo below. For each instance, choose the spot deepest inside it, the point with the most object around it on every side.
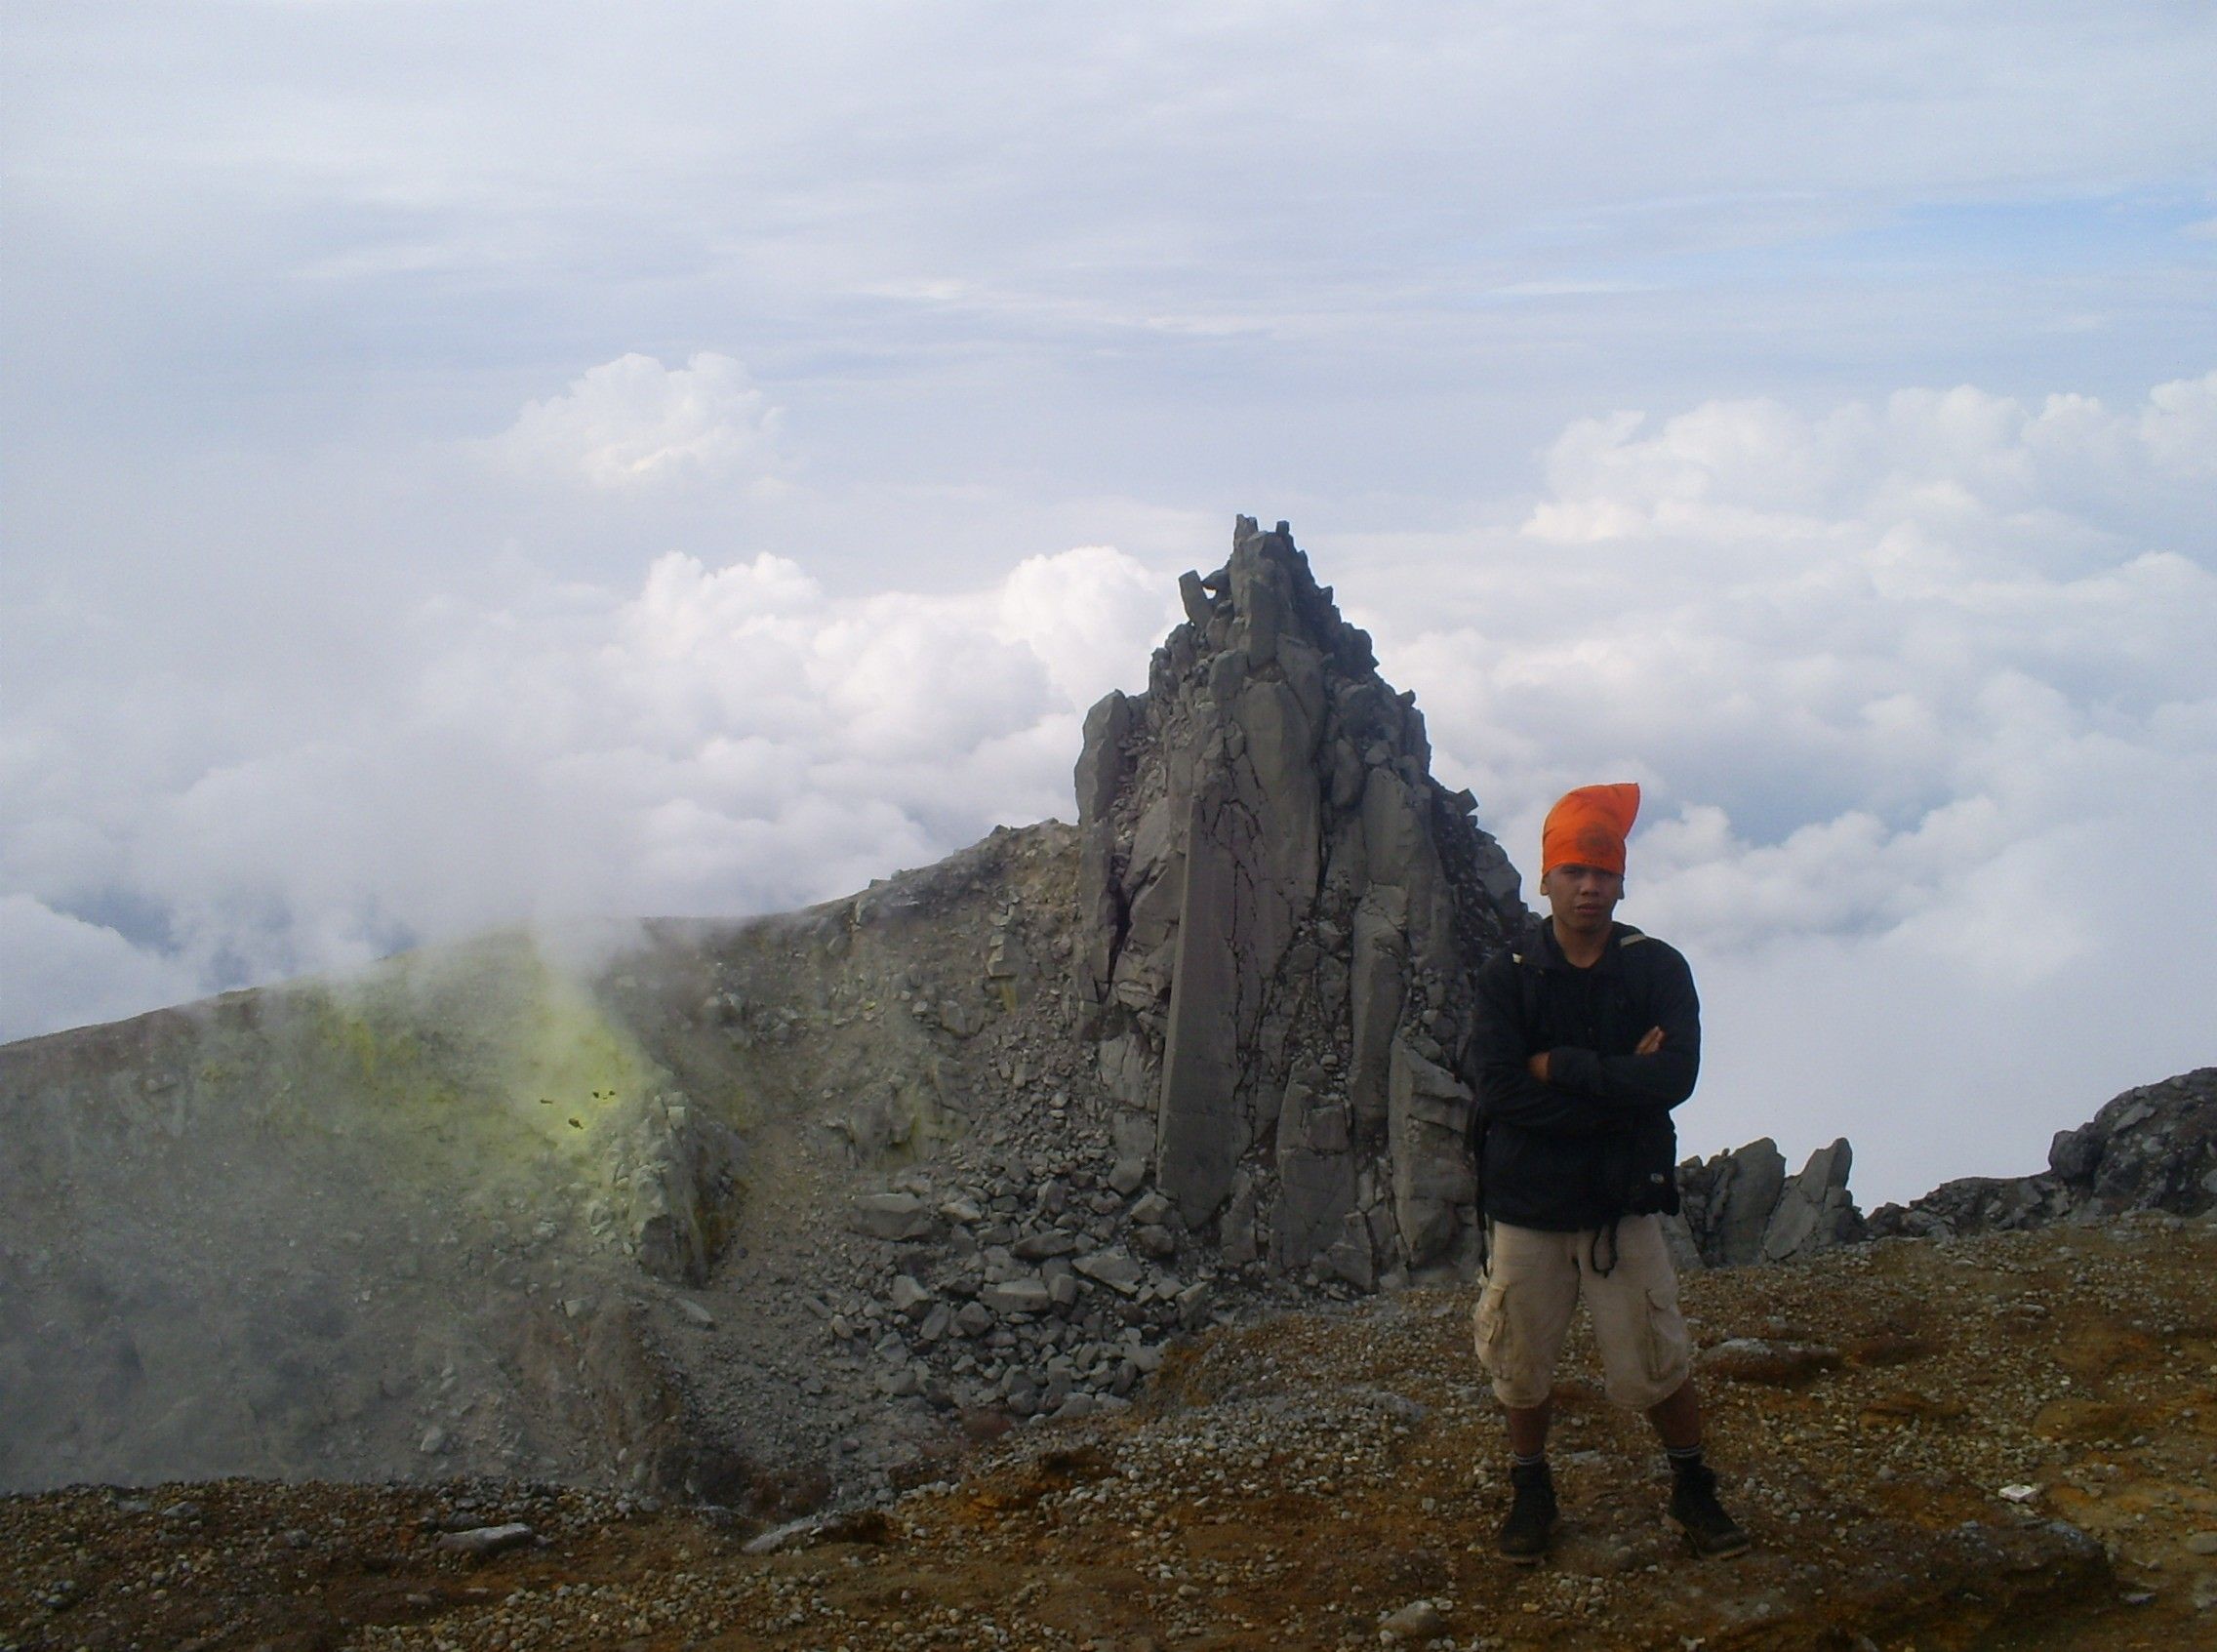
(1594, 1142)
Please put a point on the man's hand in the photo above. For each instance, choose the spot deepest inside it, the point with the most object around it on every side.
(1650, 1041)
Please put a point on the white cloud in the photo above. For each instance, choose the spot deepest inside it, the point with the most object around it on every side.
(2180, 426)
(1079, 611)
(50, 958)
(1923, 696)
(632, 422)
(719, 740)
(1988, 470)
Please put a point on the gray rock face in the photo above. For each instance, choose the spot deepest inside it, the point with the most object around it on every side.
(1281, 911)
(677, 1174)
(1741, 1207)
(2153, 1147)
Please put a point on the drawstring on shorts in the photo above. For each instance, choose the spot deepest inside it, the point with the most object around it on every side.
(1602, 1270)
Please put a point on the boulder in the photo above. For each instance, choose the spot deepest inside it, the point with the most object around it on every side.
(1741, 1207)
(1727, 1202)
(1814, 1212)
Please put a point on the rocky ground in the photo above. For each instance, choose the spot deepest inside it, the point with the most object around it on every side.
(2000, 1441)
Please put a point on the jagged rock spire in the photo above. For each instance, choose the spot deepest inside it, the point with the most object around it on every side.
(1284, 910)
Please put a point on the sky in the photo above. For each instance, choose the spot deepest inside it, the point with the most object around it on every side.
(470, 462)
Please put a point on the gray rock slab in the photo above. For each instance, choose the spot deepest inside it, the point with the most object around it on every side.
(1018, 1296)
(480, 1542)
(891, 1216)
(1120, 1271)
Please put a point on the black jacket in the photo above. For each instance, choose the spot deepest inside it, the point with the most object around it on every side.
(1595, 1142)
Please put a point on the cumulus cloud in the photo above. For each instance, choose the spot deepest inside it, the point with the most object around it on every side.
(632, 422)
(2180, 426)
(50, 959)
(720, 739)
(1922, 699)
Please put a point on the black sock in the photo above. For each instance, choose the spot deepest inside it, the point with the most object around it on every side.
(1538, 1459)
(1683, 1458)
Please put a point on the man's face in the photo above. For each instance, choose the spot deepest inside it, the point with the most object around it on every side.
(1583, 899)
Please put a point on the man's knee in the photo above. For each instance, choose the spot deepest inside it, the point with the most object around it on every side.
(1653, 1360)
(1647, 1355)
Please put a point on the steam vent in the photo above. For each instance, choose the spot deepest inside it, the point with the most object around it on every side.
(1281, 915)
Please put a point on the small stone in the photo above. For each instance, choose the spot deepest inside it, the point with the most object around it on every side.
(1154, 1241)
(1417, 1620)
(2201, 1543)
(1018, 1296)
(1153, 1211)
(1117, 1270)
(1127, 1175)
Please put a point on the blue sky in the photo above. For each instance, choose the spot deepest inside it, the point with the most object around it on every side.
(470, 460)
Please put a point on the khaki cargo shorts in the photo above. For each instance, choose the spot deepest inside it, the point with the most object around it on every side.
(1534, 1280)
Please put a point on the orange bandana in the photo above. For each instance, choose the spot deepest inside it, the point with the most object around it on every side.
(1587, 828)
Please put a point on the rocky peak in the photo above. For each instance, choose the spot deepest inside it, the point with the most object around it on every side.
(1280, 914)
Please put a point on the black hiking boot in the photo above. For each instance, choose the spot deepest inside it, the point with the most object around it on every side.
(1710, 1533)
(1531, 1515)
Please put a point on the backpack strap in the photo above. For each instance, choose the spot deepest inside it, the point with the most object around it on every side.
(1527, 985)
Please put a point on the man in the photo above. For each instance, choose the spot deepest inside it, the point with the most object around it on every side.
(1584, 1042)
